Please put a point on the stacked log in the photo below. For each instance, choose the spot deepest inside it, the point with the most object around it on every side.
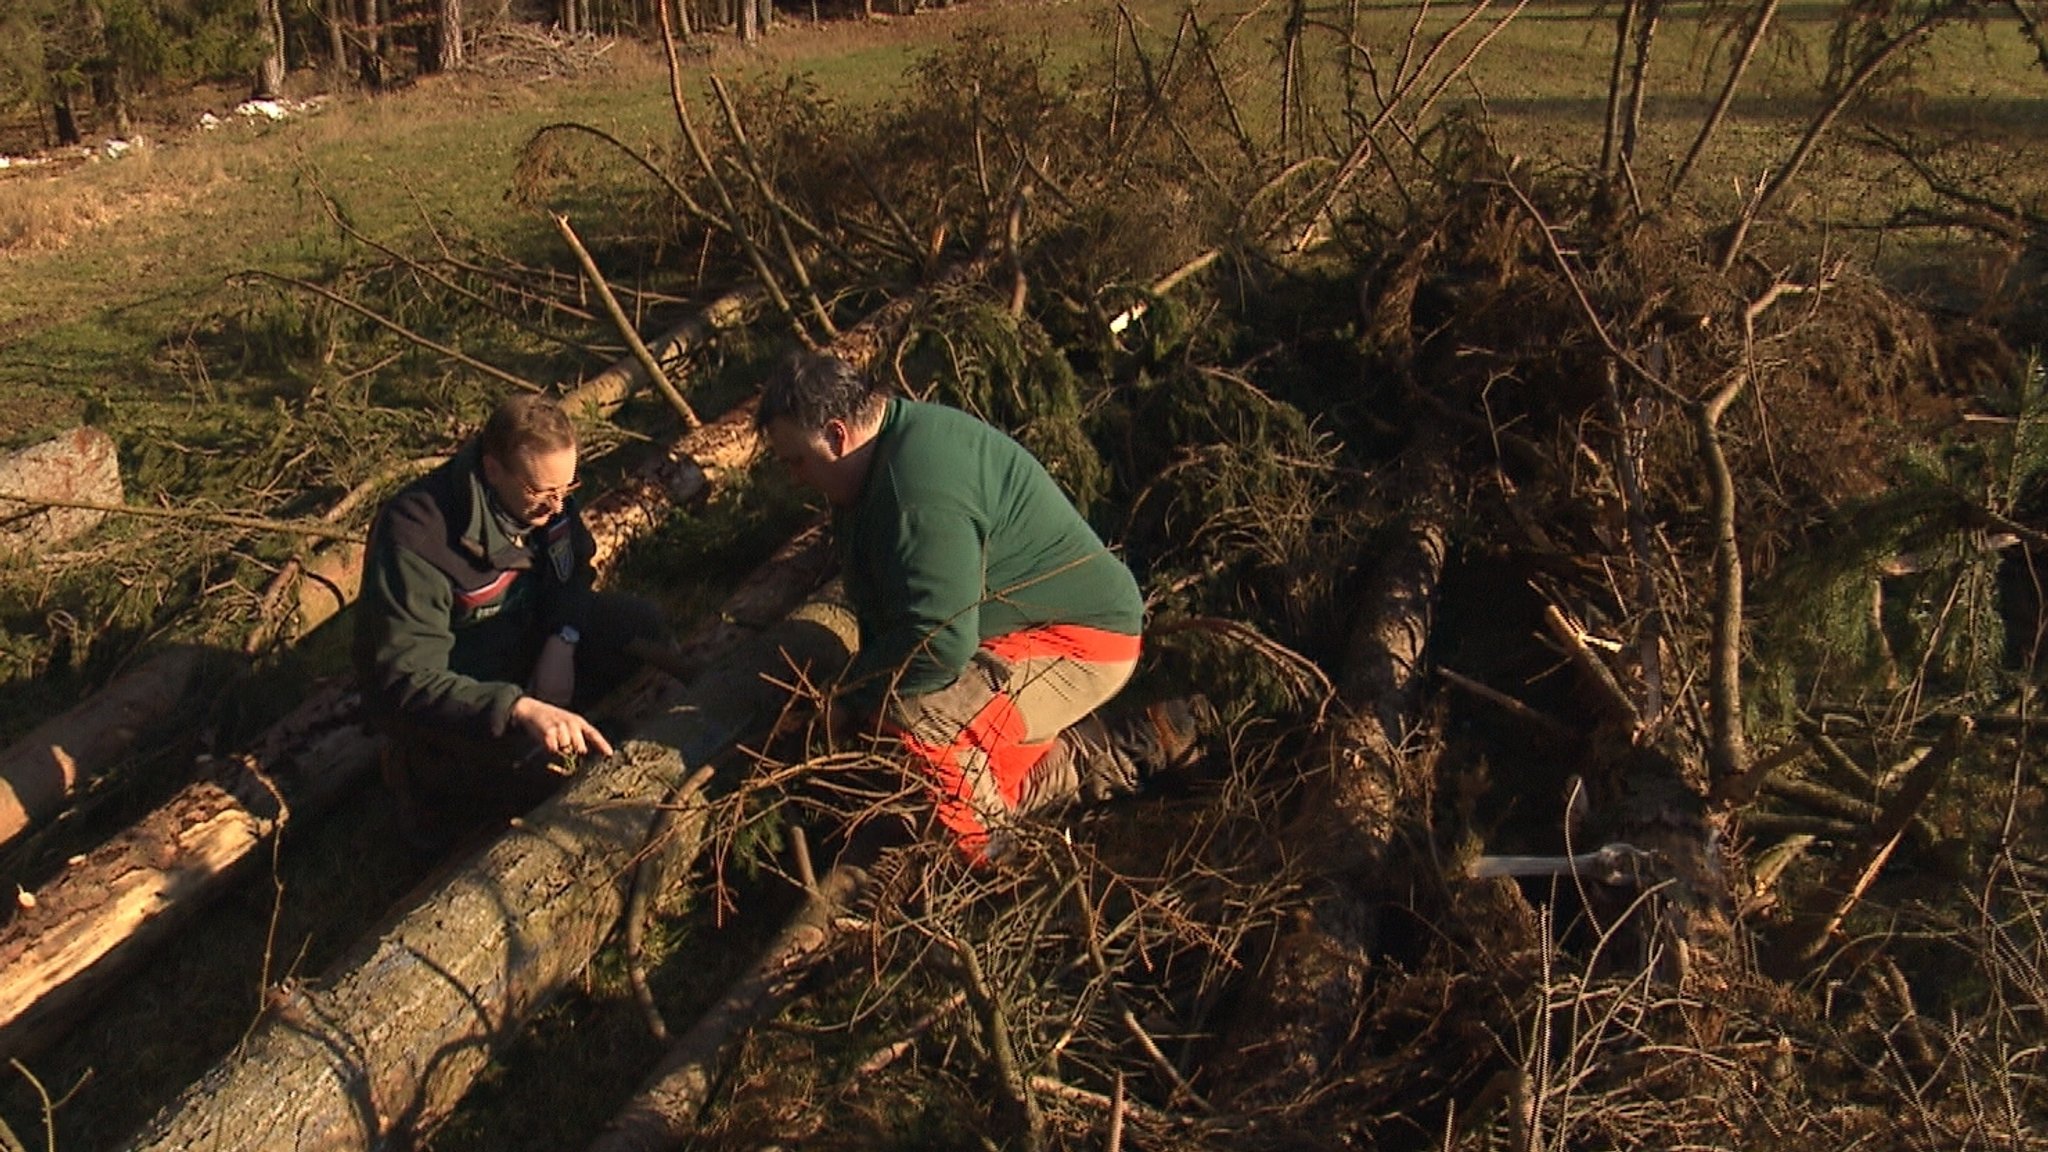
(75, 942)
(390, 1039)
(81, 466)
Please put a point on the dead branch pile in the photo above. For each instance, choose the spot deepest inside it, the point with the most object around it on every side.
(529, 52)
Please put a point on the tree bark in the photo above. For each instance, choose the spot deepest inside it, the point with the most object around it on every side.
(42, 771)
(451, 47)
(396, 1032)
(270, 72)
(337, 40)
(66, 118)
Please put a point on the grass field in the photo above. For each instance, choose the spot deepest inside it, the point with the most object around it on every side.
(104, 265)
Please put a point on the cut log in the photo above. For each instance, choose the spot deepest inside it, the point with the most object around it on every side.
(1298, 1013)
(724, 443)
(664, 1112)
(41, 772)
(601, 395)
(79, 466)
(396, 1032)
(113, 905)
(97, 919)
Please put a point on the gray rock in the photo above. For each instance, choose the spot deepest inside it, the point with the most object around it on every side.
(79, 465)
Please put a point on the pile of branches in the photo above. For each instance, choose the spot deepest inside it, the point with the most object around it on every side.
(1621, 609)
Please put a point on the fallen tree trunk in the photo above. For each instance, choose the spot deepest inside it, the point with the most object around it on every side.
(104, 914)
(86, 938)
(601, 395)
(90, 923)
(393, 1036)
(1296, 1023)
(40, 773)
(663, 1113)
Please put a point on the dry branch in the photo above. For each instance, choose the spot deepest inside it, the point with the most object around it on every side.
(663, 1112)
(624, 324)
(378, 318)
(1822, 912)
(192, 515)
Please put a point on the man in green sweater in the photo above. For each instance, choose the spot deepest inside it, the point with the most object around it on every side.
(993, 621)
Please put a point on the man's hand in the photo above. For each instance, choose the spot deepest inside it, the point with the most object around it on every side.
(554, 672)
(559, 730)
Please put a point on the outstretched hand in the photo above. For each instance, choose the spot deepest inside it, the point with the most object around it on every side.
(560, 731)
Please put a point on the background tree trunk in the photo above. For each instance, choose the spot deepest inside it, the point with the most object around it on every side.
(451, 36)
(66, 119)
(270, 73)
(337, 40)
(370, 66)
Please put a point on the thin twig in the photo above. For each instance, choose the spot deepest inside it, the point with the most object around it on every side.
(193, 515)
(372, 315)
(648, 363)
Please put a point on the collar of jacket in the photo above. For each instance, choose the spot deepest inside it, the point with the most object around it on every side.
(484, 536)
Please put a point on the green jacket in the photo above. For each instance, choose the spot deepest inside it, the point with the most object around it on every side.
(959, 535)
(454, 609)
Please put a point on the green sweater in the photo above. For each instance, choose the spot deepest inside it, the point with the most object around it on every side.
(958, 536)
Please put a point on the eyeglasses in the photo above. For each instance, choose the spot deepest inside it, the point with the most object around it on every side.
(553, 495)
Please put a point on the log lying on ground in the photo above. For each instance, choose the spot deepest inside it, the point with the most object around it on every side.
(103, 915)
(80, 466)
(40, 773)
(90, 923)
(398, 1030)
(189, 871)
(1299, 1006)
(663, 1113)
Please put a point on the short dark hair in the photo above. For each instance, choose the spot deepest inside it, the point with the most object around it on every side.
(812, 389)
(527, 422)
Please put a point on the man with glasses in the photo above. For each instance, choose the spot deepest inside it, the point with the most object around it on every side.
(478, 641)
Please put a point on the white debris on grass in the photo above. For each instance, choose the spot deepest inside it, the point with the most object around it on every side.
(208, 121)
(7, 162)
(278, 109)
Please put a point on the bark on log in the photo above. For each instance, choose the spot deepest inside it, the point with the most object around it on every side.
(664, 1112)
(41, 772)
(109, 909)
(395, 1034)
(83, 933)
(1299, 1008)
(105, 947)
